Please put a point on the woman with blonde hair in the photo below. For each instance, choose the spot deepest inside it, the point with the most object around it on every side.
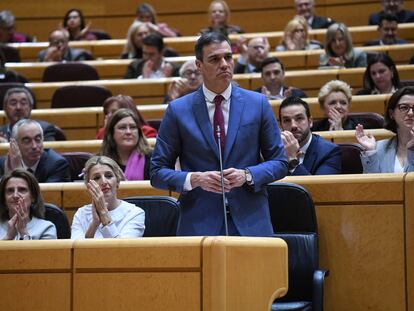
(219, 15)
(295, 36)
(339, 51)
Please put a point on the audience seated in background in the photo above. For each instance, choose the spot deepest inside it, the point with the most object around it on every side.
(125, 143)
(153, 64)
(251, 54)
(273, 76)
(7, 75)
(135, 40)
(307, 153)
(18, 104)
(219, 16)
(106, 216)
(396, 154)
(335, 101)
(146, 14)
(59, 49)
(7, 27)
(189, 81)
(387, 29)
(339, 51)
(296, 37)
(381, 76)
(22, 210)
(113, 104)
(306, 9)
(394, 7)
(26, 151)
(75, 24)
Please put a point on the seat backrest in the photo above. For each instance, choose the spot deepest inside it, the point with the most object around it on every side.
(302, 262)
(80, 96)
(71, 71)
(370, 120)
(351, 160)
(76, 162)
(59, 134)
(291, 208)
(55, 215)
(161, 214)
(11, 54)
(101, 34)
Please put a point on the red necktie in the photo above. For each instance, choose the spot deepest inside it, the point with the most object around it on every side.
(218, 121)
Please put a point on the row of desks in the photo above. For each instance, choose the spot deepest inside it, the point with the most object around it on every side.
(152, 91)
(293, 60)
(83, 123)
(112, 49)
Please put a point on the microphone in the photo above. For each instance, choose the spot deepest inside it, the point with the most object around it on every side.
(226, 229)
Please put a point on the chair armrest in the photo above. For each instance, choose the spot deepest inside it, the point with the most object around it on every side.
(318, 284)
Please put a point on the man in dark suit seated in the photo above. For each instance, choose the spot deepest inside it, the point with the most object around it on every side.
(394, 7)
(17, 104)
(306, 9)
(59, 49)
(387, 29)
(251, 55)
(26, 151)
(307, 153)
(273, 76)
(153, 65)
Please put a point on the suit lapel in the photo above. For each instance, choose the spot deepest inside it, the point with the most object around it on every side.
(237, 104)
(201, 116)
(311, 154)
(40, 170)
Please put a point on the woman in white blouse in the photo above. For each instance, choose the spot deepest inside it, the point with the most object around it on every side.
(106, 216)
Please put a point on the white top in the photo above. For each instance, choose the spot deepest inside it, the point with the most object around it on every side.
(38, 229)
(128, 221)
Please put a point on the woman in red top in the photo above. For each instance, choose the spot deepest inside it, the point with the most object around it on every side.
(114, 103)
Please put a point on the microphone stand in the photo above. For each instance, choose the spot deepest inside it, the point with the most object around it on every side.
(226, 229)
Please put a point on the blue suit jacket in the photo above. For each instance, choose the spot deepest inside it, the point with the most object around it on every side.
(253, 141)
(321, 158)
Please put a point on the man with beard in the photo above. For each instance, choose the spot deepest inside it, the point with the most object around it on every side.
(307, 153)
(394, 7)
(387, 29)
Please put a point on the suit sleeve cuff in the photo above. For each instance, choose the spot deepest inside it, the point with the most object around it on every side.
(187, 183)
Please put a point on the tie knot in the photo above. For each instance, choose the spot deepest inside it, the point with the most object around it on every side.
(218, 99)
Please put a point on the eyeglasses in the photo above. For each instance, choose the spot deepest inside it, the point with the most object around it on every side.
(57, 42)
(188, 73)
(405, 108)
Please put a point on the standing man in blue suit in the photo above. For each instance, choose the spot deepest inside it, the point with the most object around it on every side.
(252, 149)
(308, 154)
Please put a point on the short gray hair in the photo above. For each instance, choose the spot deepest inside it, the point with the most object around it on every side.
(334, 86)
(18, 90)
(6, 19)
(185, 65)
(22, 122)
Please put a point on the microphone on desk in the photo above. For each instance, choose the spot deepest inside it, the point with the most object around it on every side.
(226, 229)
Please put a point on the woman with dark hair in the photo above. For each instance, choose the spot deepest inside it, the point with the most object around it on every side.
(106, 216)
(22, 210)
(396, 154)
(339, 51)
(114, 103)
(125, 143)
(146, 14)
(381, 76)
(74, 23)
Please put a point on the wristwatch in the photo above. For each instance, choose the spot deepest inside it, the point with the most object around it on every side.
(249, 177)
(293, 163)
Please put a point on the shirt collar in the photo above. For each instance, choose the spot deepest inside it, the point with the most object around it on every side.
(306, 146)
(210, 95)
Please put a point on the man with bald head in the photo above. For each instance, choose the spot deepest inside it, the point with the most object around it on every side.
(59, 49)
(306, 9)
(252, 54)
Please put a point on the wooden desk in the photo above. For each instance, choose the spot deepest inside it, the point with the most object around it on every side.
(179, 273)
